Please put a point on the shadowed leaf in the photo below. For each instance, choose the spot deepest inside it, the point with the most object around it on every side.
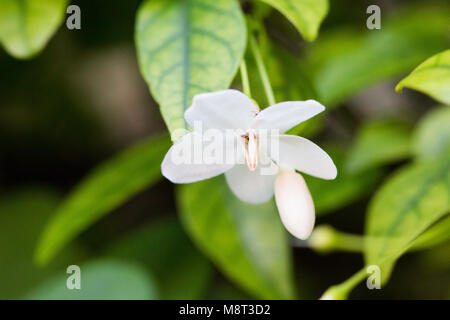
(247, 242)
(104, 279)
(379, 143)
(103, 190)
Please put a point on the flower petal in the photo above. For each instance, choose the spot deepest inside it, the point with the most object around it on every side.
(188, 160)
(303, 155)
(295, 204)
(286, 115)
(251, 186)
(227, 109)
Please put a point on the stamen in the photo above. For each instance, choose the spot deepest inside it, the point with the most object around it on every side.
(251, 150)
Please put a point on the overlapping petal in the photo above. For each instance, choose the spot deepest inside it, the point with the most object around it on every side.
(285, 115)
(303, 155)
(226, 109)
(185, 160)
(250, 186)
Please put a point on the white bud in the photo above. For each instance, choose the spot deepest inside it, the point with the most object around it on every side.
(294, 203)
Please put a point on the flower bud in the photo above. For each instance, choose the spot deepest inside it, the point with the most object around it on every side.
(294, 203)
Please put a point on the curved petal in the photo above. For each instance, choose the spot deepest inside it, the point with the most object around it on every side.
(295, 204)
(191, 159)
(303, 155)
(285, 115)
(227, 109)
(250, 186)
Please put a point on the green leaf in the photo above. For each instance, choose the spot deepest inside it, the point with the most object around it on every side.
(432, 77)
(27, 25)
(403, 42)
(247, 242)
(431, 139)
(188, 47)
(435, 235)
(348, 187)
(104, 279)
(406, 206)
(104, 189)
(23, 214)
(181, 271)
(379, 143)
(306, 15)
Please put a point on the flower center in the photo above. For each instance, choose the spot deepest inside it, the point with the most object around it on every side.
(251, 149)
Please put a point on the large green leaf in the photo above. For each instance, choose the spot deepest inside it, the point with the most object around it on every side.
(407, 205)
(306, 15)
(104, 279)
(348, 187)
(378, 143)
(247, 242)
(431, 77)
(186, 47)
(108, 186)
(431, 139)
(181, 271)
(27, 25)
(403, 42)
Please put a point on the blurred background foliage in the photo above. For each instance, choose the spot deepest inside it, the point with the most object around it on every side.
(81, 141)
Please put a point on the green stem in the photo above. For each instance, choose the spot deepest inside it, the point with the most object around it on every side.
(342, 290)
(244, 79)
(326, 239)
(349, 242)
(262, 70)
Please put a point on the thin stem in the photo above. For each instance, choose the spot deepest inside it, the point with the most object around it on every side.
(262, 70)
(244, 78)
(342, 290)
(327, 239)
(349, 242)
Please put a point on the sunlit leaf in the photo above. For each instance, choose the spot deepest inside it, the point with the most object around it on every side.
(306, 15)
(188, 47)
(432, 136)
(403, 42)
(104, 279)
(104, 189)
(379, 143)
(407, 205)
(348, 187)
(247, 242)
(431, 77)
(27, 25)
(435, 235)
(180, 270)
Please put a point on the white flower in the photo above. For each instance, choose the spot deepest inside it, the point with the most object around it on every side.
(262, 144)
